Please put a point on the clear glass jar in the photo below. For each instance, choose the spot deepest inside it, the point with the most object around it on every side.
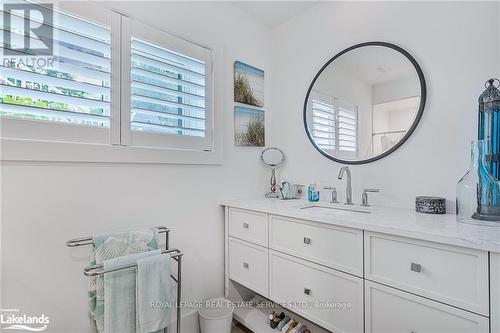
(478, 192)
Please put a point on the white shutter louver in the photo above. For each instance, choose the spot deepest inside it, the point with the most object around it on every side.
(75, 90)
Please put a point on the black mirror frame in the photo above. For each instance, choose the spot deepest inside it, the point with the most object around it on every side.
(423, 97)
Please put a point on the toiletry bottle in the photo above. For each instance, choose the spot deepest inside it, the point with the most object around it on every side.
(313, 192)
(316, 192)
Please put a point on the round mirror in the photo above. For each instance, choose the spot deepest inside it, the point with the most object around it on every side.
(364, 103)
(272, 157)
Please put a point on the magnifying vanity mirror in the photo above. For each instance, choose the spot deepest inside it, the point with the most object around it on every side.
(364, 103)
(273, 158)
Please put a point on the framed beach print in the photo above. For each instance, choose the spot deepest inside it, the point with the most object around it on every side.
(249, 129)
(248, 84)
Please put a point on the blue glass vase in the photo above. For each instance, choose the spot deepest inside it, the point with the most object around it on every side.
(488, 126)
(478, 191)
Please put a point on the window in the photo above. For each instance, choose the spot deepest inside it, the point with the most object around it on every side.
(170, 90)
(72, 87)
(347, 126)
(324, 125)
(334, 124)
(117, 82)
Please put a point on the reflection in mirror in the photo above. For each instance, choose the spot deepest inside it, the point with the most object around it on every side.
(364, 103)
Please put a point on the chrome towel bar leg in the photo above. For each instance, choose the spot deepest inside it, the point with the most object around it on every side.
(179, 289)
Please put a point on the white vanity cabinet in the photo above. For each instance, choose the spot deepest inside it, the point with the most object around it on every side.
(350, 279)
(314, 270)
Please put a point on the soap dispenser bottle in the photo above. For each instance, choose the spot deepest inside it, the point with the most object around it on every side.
(313, 192)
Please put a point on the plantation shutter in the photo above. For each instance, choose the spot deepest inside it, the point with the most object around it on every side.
(324, 125)
(114, 81)
(347, 126)
(334, 124)
(168, 91)
(170, 97)
(74, 90)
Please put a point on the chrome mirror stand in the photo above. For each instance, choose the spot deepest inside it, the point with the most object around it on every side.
(272, 193)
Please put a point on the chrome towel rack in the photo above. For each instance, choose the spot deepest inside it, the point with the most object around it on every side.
(175, 254)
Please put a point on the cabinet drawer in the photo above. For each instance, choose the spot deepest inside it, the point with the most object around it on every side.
(449, 274)
(248, 225)
(248, 265)
(336, 247)
(389, 310)
(329, 298)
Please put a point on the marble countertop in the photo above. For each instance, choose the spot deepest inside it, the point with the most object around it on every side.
(395, 221)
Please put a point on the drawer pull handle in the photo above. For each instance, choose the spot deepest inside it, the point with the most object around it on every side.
(245, 265)
(415, 267)
(307, 291)
(245, 225)
(307, 240)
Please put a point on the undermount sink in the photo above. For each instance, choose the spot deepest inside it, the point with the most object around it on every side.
(328, 209)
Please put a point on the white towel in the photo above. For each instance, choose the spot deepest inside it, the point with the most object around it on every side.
(153, 293)
(120, 293)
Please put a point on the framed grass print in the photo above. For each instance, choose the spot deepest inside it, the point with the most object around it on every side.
(249, 129)
(248, 84)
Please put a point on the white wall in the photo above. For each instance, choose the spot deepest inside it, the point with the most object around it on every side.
(45, 204)
(456, 44)
(396, 90)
